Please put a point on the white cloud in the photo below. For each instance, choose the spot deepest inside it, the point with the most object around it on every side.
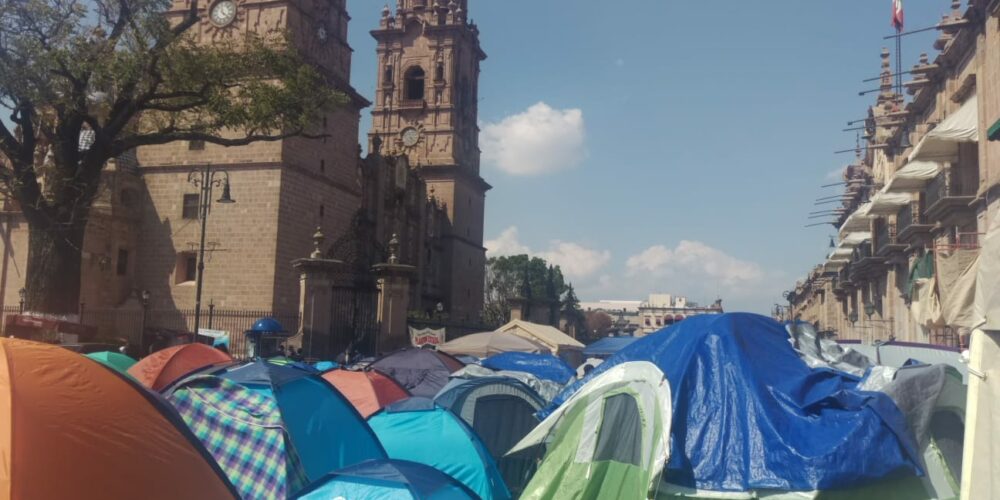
(575, 260)
(694, 260)
(836, 174)
(538, 141)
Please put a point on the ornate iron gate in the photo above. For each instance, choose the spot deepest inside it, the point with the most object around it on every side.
(355, 294)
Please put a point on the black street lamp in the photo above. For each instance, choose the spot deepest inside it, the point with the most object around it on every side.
(144, 298)
(22, 293)
(204, 179)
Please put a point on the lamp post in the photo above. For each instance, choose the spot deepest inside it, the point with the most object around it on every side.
(21, 293)
(144, 298)
(205, 180)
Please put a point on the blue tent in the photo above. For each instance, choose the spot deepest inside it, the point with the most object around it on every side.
(607, 346)
(325, 429)
(388, 479)
(418, 430)
(749, 414)
(501, 410)
(544, 366)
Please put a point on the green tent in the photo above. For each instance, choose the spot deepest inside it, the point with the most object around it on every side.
(114, 360)
(609, 440)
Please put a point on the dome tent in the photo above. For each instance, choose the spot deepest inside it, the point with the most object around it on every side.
(609, 440)
(325, 430)
(501, 410)
(391, 479)
(423, 372)
(418, 430)
(368, 390)
(162, 368)
(70, 428)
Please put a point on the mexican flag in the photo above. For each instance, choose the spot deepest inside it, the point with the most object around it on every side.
(897, 15)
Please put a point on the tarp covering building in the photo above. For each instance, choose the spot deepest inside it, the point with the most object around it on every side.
(609, 440)
(388, 480)
(543, 366)
(486, 344)
(418, 430)
(749, 414)
(501, 410)
(70, 428)
(423, 372)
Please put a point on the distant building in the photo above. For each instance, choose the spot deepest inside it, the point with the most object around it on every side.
(658, 311)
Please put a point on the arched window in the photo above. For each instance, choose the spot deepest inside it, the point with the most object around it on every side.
(439, 73)
(387, 75)
(415, 83)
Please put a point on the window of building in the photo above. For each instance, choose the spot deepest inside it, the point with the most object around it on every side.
(415, 83)
(387, 75)
(122, 262)
(439, 73)
(647, 322)
(186, 269)
(322, 165)
(190, 209)
(196, 145)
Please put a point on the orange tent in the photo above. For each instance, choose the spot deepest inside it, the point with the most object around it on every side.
(72, 428)
(369, 390)
(162, 368)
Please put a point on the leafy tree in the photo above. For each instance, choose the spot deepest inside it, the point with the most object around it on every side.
(599, 323)
(124, 74)
(505, 280)
(570, 308)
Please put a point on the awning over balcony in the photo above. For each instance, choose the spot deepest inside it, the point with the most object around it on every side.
(942, 142)
(913, 177)
(834, 265)
(994, 132)
(855, 238)
(857, 221)
(842, 253)
(886, 203)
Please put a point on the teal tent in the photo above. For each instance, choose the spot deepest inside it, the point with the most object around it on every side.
(388, 480)
(114, 360)
(418, 430)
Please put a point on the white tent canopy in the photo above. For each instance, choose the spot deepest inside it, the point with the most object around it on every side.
(548, 336)
(487, 344)
(855, 238)
(886, 203)
(913, 177)
(942, 142)
(857, 221)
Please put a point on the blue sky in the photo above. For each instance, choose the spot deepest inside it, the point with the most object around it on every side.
(688, 140)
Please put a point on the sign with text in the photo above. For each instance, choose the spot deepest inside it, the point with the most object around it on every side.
(426, 336)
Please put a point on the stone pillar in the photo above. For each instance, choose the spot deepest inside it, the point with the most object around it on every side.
(315, 300)
(393, 301)
(518, 308)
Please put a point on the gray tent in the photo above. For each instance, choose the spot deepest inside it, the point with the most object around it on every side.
(501, 410)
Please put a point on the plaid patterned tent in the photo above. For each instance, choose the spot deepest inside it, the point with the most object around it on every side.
(244, 431)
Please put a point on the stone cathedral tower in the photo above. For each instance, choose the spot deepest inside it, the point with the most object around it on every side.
(426, 108)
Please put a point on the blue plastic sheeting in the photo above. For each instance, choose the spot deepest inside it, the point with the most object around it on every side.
(750, 415)
(607, 346)
(388, 479)
(543, 366)
(416, 429)
(325, 429)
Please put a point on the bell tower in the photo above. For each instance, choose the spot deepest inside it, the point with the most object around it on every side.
(426, 108)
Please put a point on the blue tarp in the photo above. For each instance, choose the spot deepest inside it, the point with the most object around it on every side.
(607, 346)
(543, 366)
(749, 414)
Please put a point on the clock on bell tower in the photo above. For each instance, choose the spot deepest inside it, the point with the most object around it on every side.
(426, 108)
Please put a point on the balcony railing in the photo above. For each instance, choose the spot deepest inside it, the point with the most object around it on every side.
(945, 192)
(885, 238)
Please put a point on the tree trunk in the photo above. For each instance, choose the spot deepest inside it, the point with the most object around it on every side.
(54, 266)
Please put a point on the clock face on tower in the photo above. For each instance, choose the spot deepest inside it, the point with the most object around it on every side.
(321, 33)
(222, 12)
(410, 137)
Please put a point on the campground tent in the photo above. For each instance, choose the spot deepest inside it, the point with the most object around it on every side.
(388, 479)
(70, 428)
(423, 372)
(418, 430)
(559, 343)
(609, 440)
(546, 389)
(777, 424)
(368, 390)
(325, 430)
(543, 366)
(114, 360)
(162, 368)
(486, 344)
(501, 410)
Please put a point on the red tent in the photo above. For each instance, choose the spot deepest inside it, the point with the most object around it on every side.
(369, 390)
(162, 368)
